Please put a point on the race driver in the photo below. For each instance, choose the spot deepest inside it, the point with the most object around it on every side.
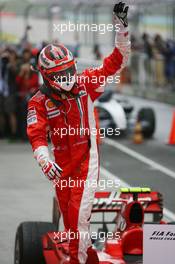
(63, 102)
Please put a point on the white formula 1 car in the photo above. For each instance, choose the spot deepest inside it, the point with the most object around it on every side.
(115, 112)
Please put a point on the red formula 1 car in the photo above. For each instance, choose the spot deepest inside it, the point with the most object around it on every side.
(125, 212)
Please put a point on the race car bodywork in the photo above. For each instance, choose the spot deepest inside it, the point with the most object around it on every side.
(127, 210)
(111, 112)
(117, 111)
(132, 207)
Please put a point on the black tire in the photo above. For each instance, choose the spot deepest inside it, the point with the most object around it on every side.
(56, 215)
(133, 259)
(28, 242)
(146, 116)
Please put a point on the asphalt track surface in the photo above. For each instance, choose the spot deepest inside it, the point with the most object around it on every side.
(135, 172)
(26, 195)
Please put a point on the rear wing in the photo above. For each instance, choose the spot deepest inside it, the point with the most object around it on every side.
(103, 202)
(152, 202)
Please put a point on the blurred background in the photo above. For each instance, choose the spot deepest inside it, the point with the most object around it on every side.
(27, 26)
(144, 99)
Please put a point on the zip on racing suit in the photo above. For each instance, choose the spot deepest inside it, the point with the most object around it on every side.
(75, 152)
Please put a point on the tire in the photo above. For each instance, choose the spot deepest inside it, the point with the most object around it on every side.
(56, 215)
(28, 242)
(133, 259)
(146, 116)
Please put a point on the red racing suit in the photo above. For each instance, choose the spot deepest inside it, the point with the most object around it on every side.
(75, 152)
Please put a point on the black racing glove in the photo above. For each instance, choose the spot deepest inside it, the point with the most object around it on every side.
(121, 12)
